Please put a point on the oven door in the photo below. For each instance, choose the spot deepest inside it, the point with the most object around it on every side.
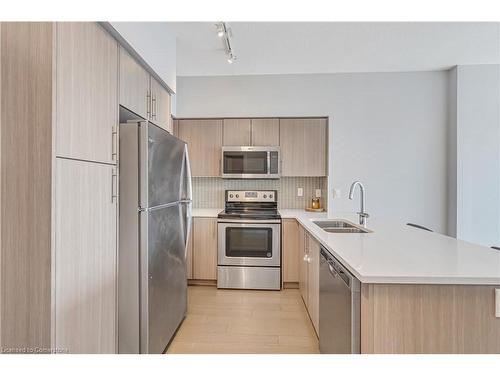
(249, 244)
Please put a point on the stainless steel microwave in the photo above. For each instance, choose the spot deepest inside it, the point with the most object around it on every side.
(250, 162)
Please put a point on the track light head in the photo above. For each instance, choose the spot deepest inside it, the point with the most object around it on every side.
(221, 30)
(231, 58)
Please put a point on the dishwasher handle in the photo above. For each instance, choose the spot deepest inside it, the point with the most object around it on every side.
(337, 270)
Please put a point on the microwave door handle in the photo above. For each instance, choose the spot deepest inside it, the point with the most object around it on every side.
(268, 162)
(222, 171)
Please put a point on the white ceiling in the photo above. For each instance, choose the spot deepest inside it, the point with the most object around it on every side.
(333, 47)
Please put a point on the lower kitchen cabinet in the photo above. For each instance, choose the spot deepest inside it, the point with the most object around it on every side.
(313, 282)
(205, 248)
(290, 250)
(85, 257)
(309, 251)
(303, 278)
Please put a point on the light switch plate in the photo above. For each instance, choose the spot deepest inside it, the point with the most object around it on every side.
(318, 193)
(497, 303)
(337, 193)
(300, 192)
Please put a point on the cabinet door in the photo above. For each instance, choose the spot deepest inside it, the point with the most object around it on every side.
(266, 132)
(189, 256)
(313, 282)
(205, 248)
(303, 147)
(290, 246)
(87, 92)
(175, 127)
(160, 106)
(204, 139)
(303, 268)
(236, 132)
(134, 85)
(85, 257)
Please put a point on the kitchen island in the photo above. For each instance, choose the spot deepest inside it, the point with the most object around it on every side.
(421, 292)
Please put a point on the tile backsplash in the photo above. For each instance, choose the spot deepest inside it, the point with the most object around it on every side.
(208, 192)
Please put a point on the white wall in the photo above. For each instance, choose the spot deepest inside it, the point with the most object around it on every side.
(477, 138)
(156, 43)
(386, 129)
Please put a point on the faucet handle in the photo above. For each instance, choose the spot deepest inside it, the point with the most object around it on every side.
(363, 214)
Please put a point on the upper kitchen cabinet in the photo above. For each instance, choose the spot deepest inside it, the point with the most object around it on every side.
(142, 94)
(155, 42)
(134, 85)
(251, 132)
(265, 132)
(303, 146)
(160, 106)
(237, 132)
(87, 92)
(204, 139)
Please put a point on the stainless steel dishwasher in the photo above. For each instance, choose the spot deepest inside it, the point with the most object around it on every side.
(339, 308)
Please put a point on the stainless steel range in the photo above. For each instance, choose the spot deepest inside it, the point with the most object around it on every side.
(249, 241)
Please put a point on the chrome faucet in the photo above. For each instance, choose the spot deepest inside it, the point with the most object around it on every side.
(362, 214)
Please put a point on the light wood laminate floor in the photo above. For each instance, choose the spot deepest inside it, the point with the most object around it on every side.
(244, 321)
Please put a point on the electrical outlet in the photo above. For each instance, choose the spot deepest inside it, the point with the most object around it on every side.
(497, 303)
(318, 193)
(300, 192)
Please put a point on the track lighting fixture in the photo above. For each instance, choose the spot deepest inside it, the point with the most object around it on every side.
(225, 34)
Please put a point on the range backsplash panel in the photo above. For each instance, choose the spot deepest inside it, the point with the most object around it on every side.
(208, 192)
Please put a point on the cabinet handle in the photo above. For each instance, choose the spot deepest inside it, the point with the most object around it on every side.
(113, 144)
(153, 106)
(148, 103)
(113, 185)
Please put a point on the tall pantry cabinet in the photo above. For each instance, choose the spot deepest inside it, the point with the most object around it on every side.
(58, 212)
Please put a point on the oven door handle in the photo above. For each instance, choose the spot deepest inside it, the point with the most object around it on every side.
(248, 221)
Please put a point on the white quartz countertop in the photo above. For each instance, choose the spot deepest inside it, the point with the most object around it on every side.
(398, 254)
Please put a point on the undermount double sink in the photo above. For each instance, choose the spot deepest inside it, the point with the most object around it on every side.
(340, 226)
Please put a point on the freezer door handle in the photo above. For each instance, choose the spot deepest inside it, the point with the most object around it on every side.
(189, 176)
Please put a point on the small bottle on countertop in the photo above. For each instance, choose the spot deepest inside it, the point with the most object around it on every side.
(315, 203)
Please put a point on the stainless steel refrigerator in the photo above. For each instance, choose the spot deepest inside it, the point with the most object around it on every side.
(155, 221)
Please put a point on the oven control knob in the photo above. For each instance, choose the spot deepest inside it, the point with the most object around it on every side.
(270, 196)
(237, 195)
(265, 196)
(230, 195)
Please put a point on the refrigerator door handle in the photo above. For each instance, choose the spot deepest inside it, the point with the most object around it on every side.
(189, 223)
(189, 176)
